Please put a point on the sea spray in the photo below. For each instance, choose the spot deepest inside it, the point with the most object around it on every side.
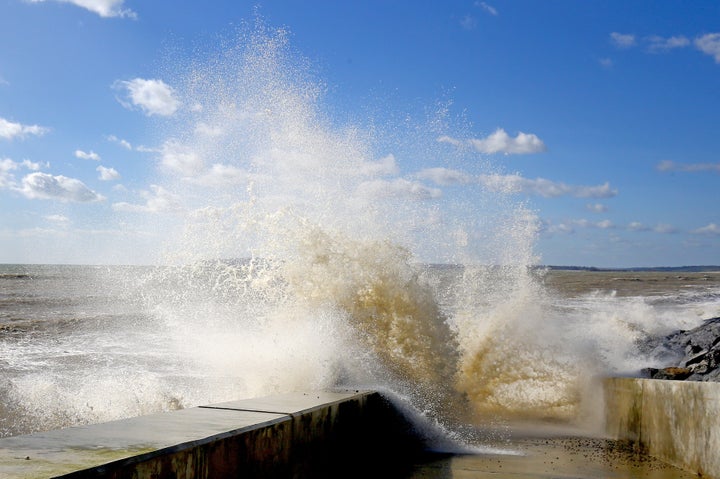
(338, 237)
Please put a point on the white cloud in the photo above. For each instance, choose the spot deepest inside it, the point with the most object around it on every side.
(400, 188)
(450, 140)
(561, 228)
(209, 130)
(622, 40)
(515, 183)
(153, 97)
(488, 8)
(10, 130)
(59, 219)
(104, 8)
(468, 22)
(124, 143)
(445, 176)
(709, 44)
(668, 165)
(384, 166)
(500, 142)
(31, 165)
(596, 207)
(604, 224)
(87, 156)
(7, 166)
(108, 174)
(156, 201)
(637, 226)
(710, 229)
(179, 159)
(606, 62)
(7, 179)
(543, 187)
(658, 43)
(221, 175)
(49, 187)
(665, 228)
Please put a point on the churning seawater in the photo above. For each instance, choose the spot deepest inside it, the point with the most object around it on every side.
(303, 249)
(85, 344)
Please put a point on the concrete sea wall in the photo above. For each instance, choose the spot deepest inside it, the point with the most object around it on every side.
(676, 421)
(324, 434)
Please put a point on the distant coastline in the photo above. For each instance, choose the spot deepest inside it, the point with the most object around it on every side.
(682, 269)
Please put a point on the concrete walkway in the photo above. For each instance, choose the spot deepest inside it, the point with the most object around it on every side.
(291, 435)
(552, 457)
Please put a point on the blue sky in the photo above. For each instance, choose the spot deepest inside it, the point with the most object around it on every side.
(600, 117)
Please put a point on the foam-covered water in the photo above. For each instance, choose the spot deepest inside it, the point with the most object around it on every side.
(304, 252)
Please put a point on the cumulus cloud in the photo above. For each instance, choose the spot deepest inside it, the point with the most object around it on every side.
(31, 165)
(383, 167)
(468, 22)
(445, 176)
(221, 175)
(665, 228)
(398, 188)
(153, 97)
(659, 228)
(107, 174)
(104, 8)
(7, 179)
(500, 142)
(658, 43)
(7, 166)
(637, 226)
(488, 8)
(49, 187)
(180, 159)
(514, 183)
(59, 219)
(10, 130)
(606, 62)
(543, 187)
(711, 229)
(710, 45)
(668, 165)
(124, 143)
(596, 207)
(583, 223)
(622, 40)
(87, 155)
(156, 201)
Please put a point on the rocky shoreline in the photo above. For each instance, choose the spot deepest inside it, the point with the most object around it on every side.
(693, 355)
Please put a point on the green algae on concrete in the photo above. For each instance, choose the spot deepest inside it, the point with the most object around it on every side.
(676, 421)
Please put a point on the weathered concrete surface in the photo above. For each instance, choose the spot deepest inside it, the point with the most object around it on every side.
(292, 435)
(676, 421)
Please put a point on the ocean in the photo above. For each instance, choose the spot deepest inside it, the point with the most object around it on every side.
(87, 344)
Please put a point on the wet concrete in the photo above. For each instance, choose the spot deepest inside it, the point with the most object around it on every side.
(552, 457)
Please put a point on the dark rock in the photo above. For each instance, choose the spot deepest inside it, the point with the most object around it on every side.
(672, 373)
(693, 355)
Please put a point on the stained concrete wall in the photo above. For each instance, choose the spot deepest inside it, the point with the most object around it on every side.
(317, 434)
(676, 421)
